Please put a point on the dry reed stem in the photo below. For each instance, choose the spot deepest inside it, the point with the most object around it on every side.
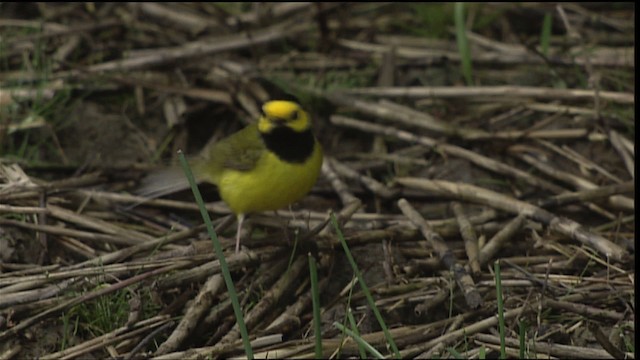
(370, 183)
(83, 298)
(187, 324)
(503, 92)
(469, 236)
(580, 183)
(118, 335)
(498, 240)
(466, 283)
(627, 157)
(563, 226)
(452, 150)
(557, 350)
(346, 197)
(465, 331)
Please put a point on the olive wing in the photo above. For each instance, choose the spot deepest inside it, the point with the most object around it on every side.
(240, 151)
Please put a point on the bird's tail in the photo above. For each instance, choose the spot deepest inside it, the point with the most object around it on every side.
(162, 182)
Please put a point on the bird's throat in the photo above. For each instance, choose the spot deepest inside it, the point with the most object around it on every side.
(290, 145)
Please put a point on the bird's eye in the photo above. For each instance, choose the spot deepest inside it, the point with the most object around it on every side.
(295, 115)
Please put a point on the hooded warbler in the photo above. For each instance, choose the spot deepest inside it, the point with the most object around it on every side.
(265, 166)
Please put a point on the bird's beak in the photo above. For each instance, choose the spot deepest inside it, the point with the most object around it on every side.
(278, 121)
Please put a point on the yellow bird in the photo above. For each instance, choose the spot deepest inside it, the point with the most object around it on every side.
(265, 166)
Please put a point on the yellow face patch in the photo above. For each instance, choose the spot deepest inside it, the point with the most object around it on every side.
(283, 113)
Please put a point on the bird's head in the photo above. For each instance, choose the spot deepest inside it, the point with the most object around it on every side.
(283, 113)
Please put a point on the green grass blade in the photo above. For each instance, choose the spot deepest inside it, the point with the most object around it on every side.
(365, 288)
(347, 310)
(66, 331)
(482, 354)
(376, 354)
(521, 334)
(354, 328)
(315, 299)
(455, 353)
(503, 351)
(219, 253)
(463, 41)
(545, 37)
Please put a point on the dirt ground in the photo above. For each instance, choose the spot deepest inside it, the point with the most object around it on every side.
(479, 160)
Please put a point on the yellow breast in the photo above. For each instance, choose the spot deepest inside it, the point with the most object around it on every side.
(271, 185)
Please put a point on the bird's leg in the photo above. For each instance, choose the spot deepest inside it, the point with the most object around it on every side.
(240, 221)
(286, 225)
